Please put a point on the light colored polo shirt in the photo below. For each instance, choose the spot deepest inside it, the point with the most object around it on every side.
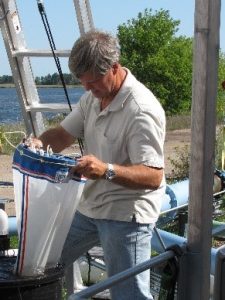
(131, 130)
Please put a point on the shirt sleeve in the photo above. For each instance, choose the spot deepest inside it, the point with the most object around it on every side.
(74, 122)
(146, 137)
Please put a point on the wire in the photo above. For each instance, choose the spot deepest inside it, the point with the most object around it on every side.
(53, 47)
(56, 58)
(12, 132)
(42, 159)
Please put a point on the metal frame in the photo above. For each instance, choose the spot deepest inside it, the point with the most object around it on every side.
(21, 68)
(113, 280)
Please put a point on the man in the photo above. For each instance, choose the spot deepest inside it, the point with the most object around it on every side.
(123, 126)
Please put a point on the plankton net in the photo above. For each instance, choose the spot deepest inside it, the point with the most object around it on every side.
(46, 197)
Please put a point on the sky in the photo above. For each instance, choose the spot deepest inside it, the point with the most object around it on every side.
(107, 15)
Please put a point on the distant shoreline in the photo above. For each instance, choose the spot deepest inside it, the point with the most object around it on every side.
(11, 85)
(7, 85)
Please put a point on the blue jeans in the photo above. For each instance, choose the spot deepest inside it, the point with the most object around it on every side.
(125, 244)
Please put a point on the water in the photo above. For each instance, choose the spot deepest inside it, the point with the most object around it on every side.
(10, 111)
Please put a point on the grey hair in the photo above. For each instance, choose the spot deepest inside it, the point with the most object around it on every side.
(95, 52)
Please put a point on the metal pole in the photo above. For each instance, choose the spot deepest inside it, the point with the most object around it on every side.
(194, 282)
(103, 285)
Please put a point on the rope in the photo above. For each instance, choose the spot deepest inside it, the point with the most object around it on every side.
(56, 58)
(12, 132)
(41, 159)
(53, 47)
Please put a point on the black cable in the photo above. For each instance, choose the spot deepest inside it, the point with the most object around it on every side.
(53, 47)
(56, 58)
(89, 269)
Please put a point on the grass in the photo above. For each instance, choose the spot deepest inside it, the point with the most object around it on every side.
(178, 122)
(10, 135)
(14, 242)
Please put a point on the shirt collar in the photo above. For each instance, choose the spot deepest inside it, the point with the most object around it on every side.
(120, 98)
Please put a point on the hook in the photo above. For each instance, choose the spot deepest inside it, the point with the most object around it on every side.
(3, 17)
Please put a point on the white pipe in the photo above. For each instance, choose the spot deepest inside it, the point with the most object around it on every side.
(4, 224)
(176, 195)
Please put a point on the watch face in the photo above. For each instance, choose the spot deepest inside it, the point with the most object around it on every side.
(110, 174)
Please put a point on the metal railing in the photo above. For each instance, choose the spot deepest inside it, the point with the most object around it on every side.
(113, 280)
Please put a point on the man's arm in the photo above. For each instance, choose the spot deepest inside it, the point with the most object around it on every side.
(58, 139)
(133, 176)
(138, 176)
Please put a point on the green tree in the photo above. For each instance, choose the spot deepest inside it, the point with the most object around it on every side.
(37, 80)
(48, 79)
(158, 58)
(55, 79)
(221, 90)
(6, 79)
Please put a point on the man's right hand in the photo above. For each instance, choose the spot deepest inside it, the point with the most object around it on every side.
(33, 143)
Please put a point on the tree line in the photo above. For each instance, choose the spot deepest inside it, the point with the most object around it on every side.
(50, 79)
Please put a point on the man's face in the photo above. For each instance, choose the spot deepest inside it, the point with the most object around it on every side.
(101, 86)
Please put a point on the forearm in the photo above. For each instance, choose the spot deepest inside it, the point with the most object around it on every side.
(57, 138)
(133, 176)
(138, 176)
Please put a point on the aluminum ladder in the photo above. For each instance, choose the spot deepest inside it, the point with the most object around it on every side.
(19, 60)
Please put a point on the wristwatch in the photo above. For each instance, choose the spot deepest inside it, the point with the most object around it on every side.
(110, 172)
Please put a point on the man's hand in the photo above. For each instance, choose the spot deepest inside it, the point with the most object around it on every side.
(90, 167)
(33, 143)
